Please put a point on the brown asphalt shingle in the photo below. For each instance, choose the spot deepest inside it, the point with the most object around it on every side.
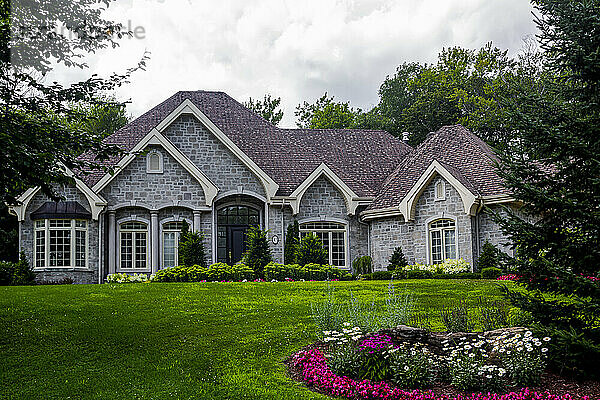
(361, 158)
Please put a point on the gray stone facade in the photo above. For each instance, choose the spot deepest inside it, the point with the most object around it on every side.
(174, 194)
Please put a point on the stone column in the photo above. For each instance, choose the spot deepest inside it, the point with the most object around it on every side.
(197, 221)
(112, 242)
(155, 242)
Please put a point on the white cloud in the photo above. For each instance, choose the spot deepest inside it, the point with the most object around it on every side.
(294, 49)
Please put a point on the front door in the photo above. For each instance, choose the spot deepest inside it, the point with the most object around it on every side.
(232, 224)
(237, 243)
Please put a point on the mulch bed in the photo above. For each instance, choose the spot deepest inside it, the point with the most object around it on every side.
(551, 382)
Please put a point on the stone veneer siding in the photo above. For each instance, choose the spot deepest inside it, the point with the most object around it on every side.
(174, 184)
(389, 233)
(207, 152)
(26, 244)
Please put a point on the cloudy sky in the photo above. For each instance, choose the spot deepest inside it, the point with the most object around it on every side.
(295, 49)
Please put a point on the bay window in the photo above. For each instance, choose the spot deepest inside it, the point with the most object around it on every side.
(60, 243)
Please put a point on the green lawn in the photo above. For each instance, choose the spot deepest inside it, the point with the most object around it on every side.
(174, 341)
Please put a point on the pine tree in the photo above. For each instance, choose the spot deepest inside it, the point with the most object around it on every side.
(191, 247)
(311, 251)
(489, 257)
(397, 260)
(258, 252)
(292, 241)
(552, 167)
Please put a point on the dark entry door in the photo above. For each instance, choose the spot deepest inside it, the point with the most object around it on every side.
(237, 243)
(232, 224)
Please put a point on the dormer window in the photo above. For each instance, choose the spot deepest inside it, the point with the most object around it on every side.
(154, 162)
(440, 190)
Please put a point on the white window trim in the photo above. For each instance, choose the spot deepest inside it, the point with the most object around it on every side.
(162, 238)
(428, 233)
(160, 162)
(441, 184)
(148, 248)
(343, 228)
(72, 261)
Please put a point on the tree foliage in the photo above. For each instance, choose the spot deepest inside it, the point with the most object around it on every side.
(101, 120)
(311, 251)
(191, 248)
(397, 260)
(552, 166)
(292, 241)
(258, 252)
(41, 132)
(489, 257)
(267, 108)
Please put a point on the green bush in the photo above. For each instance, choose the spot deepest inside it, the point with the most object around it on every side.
(489, 257)
(292, 243)
(491, 273)
(197, 273)
(378, 276)
(362, 265)
(311, 251)
(315, 272)
(397, 260)
(460, 275)
(419, 274)
(258, 252)
(191, 247)
(17, 273)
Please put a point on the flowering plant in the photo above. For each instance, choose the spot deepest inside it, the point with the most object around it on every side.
(412, 366)
(126, 278)
(524, 356)
(449, 266)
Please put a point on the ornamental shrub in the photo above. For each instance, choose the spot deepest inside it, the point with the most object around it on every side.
(489, 257)
(216, 272)
(362, 265)
(378, 276)
(491, 273)
(191, 247)
(412, 366)
(292, 242)
(311, 251)
(419, 274)
(397, 260)
(126, 278)
(17, 273)
(308, 272)
(258, 252)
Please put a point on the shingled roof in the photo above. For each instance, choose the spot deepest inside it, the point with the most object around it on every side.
(469, 159)
(361, 158)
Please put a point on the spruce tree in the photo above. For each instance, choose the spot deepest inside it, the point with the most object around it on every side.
(552, 167)
(191, 247)
(292, 241)
(397, 260)
(311, 251)
(489, 257)
(258, 252)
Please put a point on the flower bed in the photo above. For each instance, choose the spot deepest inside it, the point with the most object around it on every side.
(311, 365)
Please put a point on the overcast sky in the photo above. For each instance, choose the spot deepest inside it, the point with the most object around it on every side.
(294, 49)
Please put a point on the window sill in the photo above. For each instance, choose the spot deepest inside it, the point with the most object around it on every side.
(61, 269)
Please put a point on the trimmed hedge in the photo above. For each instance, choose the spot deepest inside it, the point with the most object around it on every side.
(379, 276)
(214, 273)
(418, 274)
(491, 273)
(314, 272)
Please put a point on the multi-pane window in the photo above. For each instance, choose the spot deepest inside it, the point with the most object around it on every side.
(134, 245)
(333, 237)
(442, 235)
(61, 243)
(171, 232)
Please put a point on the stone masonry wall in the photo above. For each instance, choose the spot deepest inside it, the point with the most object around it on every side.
(219, 164)
(79, 275)
(154, 190)
(386, 235)
(490, 231)
(427, 207)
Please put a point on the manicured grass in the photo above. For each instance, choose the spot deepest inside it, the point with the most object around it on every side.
(175, 341)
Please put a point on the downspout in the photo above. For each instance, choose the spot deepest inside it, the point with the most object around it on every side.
(100, 250)
(477, 242)
(282, 233)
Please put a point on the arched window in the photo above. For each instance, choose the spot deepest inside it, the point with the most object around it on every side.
(440, 190)
(134, 245)
(171, 232)
(154, 162)
(333, 236)
(442, 240)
